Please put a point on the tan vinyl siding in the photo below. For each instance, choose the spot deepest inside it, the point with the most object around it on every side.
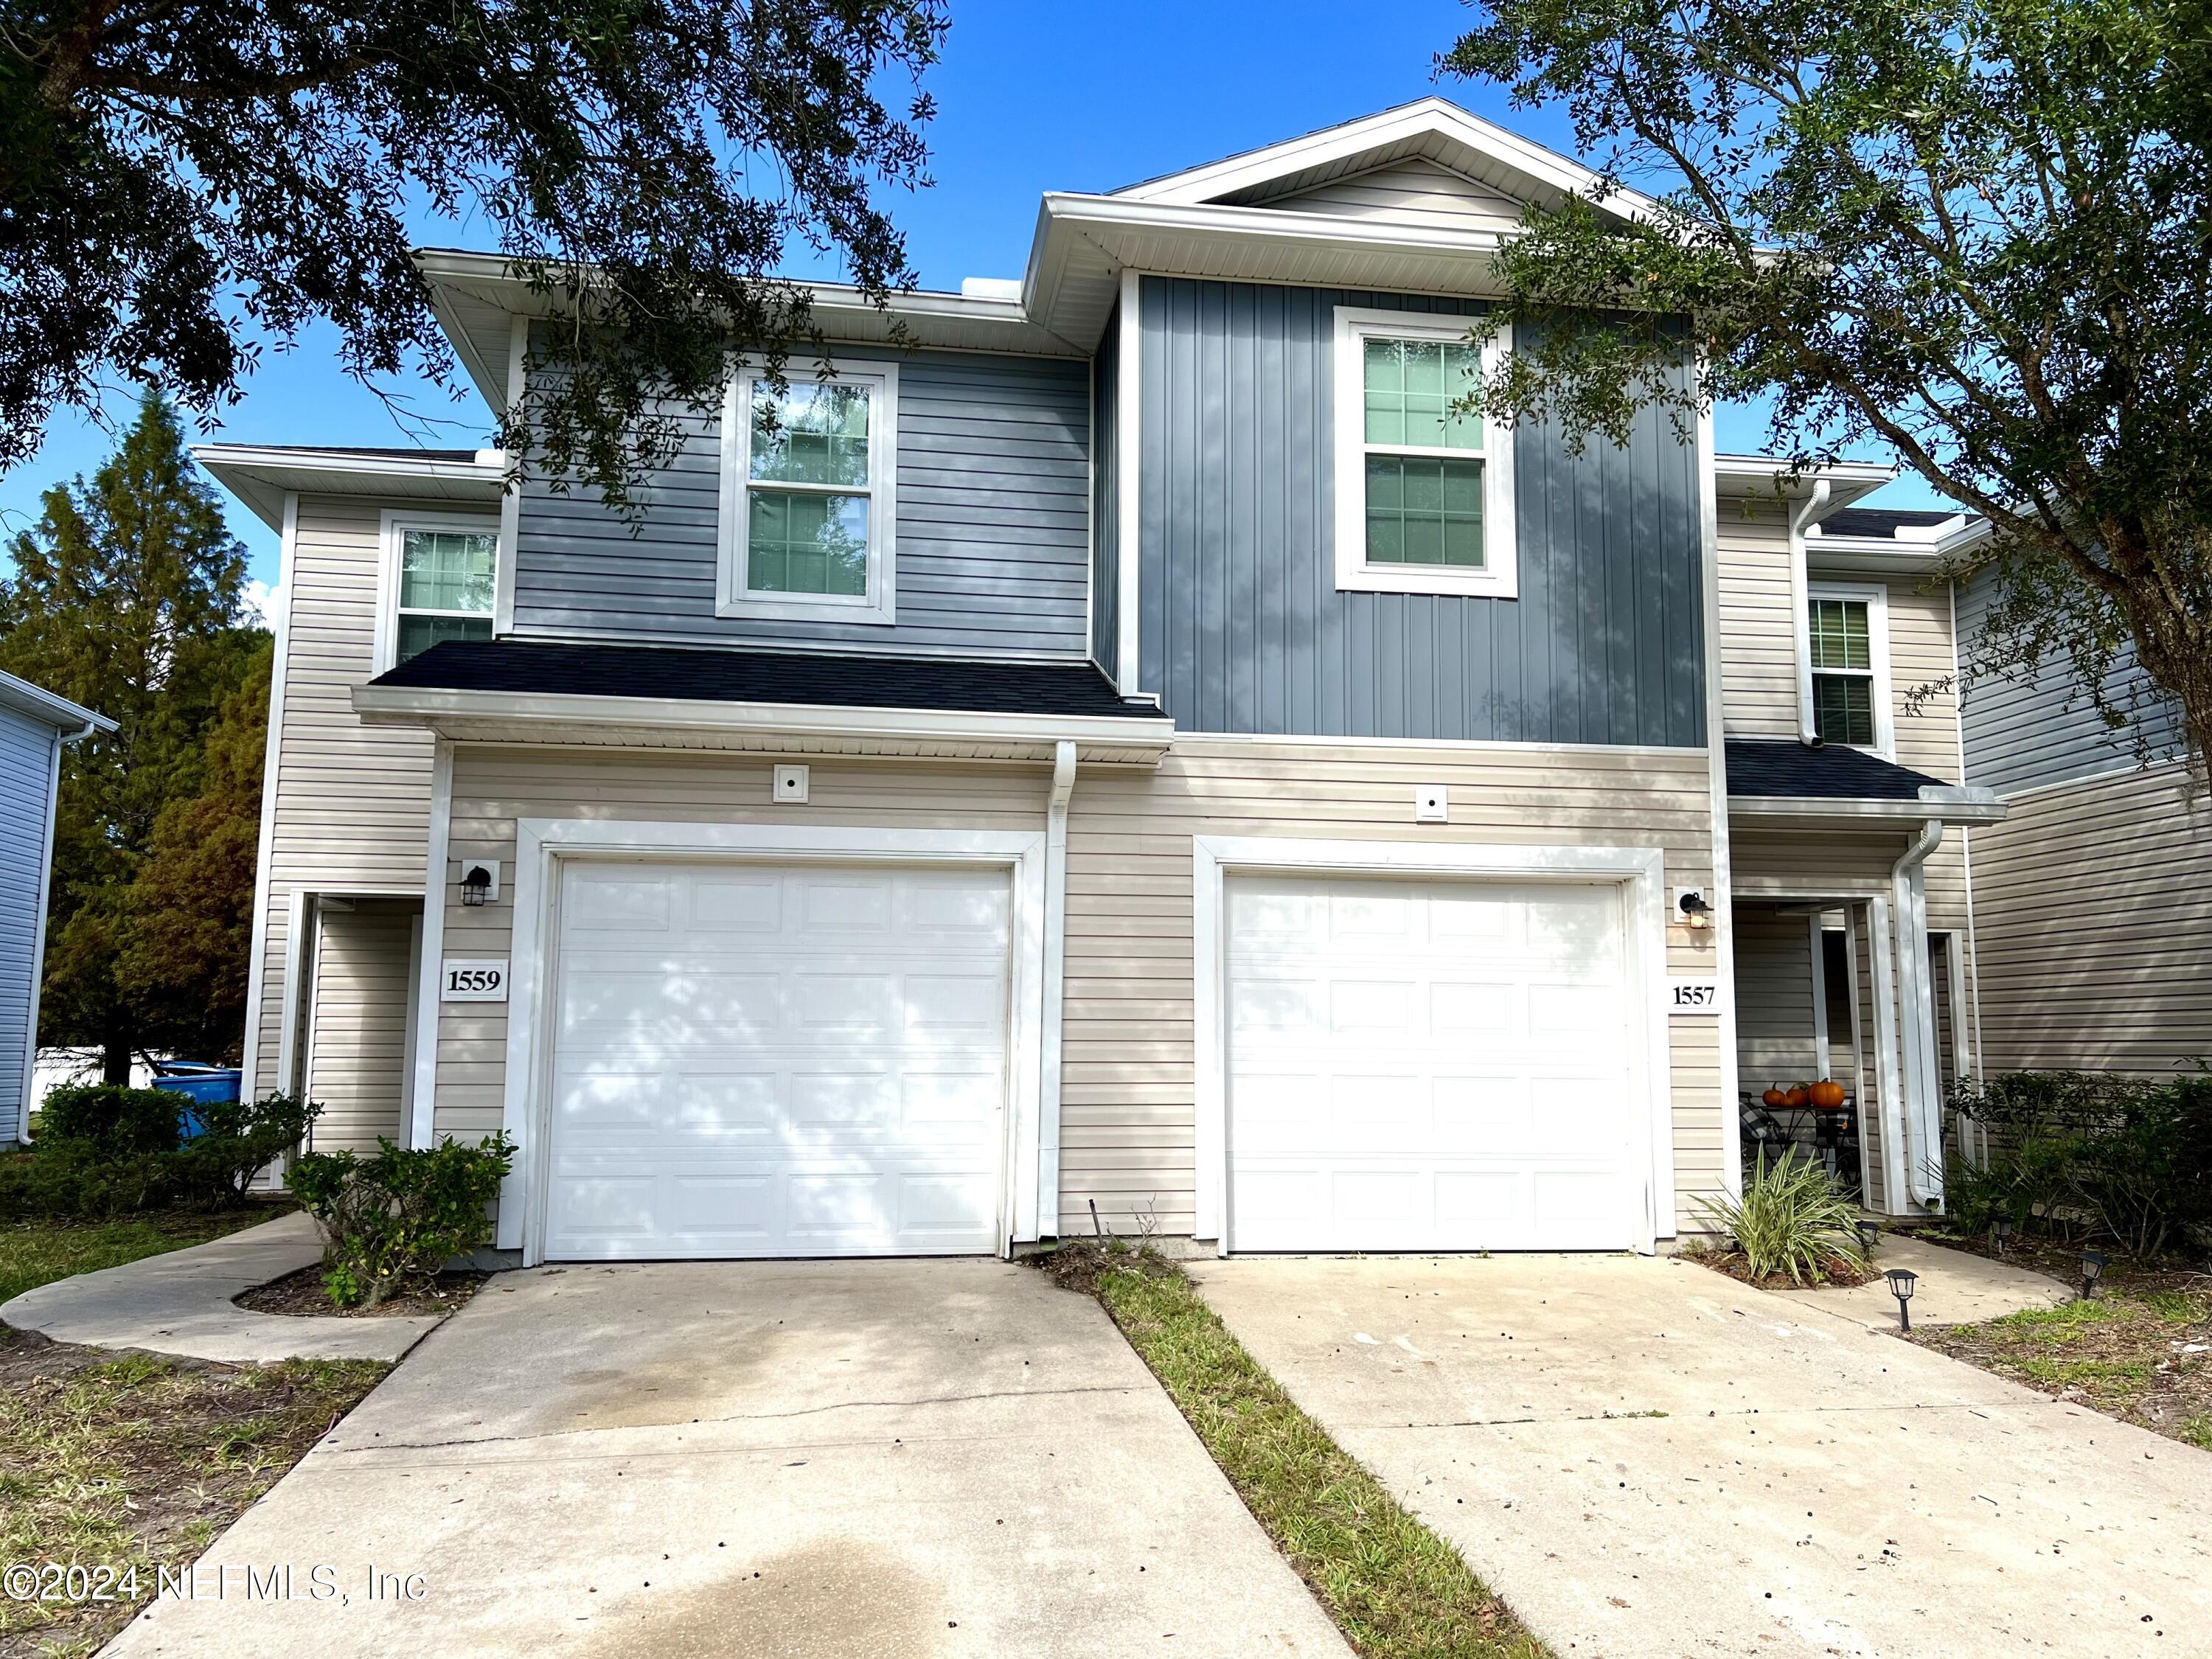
(357, 1054)
(352, 802)
(1128, 1116)
(1759, 622)
(2093, 926)
(1415, 191)
(1774, 1033)
(1920, 659)
(494, 787)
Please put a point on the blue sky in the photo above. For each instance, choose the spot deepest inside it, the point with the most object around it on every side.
(1031, 97)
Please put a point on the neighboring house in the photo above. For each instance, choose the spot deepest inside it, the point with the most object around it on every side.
(1131, 753)
(35, 726)
(2093, 900)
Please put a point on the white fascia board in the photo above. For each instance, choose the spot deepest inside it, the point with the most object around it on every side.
(1951, 806)
(1887, 555)
(70, 719)
(1431, 117)
(261, 476)
(1758, 475)
(408, 706)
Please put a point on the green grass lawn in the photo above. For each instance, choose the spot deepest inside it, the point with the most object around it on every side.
(35, 1253)
(1396, 1590)
(2144, 1356)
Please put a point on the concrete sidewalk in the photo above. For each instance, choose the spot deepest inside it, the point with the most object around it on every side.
(1646, 1458)
(805, 1460)
(1954, 1287)
(180, 1304)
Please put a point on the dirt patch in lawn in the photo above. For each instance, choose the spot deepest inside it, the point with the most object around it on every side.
(302, 1293)
(2143, 1355)
(126, 1464)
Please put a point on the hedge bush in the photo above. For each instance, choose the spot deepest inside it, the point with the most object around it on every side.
(397, 1217)
(107, 1152)
(2130, 1156)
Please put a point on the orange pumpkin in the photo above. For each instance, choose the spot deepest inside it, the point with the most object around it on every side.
(1774, 1097)
(1827, 1094)
(1797, 1096)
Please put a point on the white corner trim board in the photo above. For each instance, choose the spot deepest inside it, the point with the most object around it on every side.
(1639, 872)
(542, 846)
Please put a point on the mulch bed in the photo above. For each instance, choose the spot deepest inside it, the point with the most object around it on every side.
(1836, 1272)
(2061, 1260)
(126, 1460)
(303, 1293)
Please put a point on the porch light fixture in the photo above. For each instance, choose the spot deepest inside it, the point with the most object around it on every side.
(1901, 1281)
(2092, 1269)
(2000, 1231)
(1696, 913)
(475, 885)
(1868, 1232)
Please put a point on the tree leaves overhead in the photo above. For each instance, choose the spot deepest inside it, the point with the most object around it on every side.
(172, 175)
(1975, 232)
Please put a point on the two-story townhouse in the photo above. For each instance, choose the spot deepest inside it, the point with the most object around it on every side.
(2093, 900)
(1131, 755)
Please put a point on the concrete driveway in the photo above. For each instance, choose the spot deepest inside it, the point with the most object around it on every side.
(1647, 1459)
(885, 1458)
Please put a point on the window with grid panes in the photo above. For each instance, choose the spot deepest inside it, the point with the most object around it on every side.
(1843, 670)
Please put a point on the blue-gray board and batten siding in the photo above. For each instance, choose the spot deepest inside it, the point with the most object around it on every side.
(1604, 644)
(26, 770)
(994, 527)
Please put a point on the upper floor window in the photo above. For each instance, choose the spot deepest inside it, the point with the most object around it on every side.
(440, 581)
(1847, 629)
(807, 510)
(1423, 487)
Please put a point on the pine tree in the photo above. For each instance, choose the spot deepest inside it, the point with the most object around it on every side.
(129, 597)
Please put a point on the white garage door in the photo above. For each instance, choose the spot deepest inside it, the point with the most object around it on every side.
(754, 1060)
(1430, 1066)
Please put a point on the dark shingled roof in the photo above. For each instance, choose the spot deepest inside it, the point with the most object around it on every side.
(1080, 689)
(1835, 773)
(1880, 522)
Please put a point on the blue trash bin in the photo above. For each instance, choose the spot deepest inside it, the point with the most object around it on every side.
(202, 1084)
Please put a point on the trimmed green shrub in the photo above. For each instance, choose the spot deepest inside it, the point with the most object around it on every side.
(122, 1122)
(106, 1151)
(397, 1217)
(1792, 1218)
(2129, 1155)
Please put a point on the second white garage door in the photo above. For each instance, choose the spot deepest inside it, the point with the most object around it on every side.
(1429, 1065)
(757, 1061)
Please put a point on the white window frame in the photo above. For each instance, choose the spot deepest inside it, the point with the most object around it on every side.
(1499, 578)
(1875, 596)
(393, 524)
(878, 604)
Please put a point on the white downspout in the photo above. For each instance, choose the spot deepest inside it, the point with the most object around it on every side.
(1800, 598)
(1924, 1107)
(1055, 976)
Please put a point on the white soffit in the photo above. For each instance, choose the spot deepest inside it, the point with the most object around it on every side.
(260, 475)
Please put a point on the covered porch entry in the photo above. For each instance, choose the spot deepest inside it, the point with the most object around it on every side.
(1853, 962)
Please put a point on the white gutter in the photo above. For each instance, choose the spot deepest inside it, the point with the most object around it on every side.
(440, 709)
(1801, 632)
(1055, 980)
(1924, 1104)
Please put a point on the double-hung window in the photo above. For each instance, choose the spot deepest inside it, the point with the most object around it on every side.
(440, 577)
(1848, 652)
(807, 510)
(1423, 484)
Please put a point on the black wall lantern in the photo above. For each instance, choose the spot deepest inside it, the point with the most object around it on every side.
(1901, 1281)
(475, 885)
(2092, 1269)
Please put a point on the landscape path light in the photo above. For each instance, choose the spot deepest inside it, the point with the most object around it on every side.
(1900, 1286)
(2092, 1269)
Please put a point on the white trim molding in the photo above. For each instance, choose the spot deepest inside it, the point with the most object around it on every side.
(543, 845)
(879, 601)
(1128, 486)
(1722, 897)
(272, 763)
(1875, 596)
(1639, 871)
(392, 525)
(1498, 576)
(422, 1098)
